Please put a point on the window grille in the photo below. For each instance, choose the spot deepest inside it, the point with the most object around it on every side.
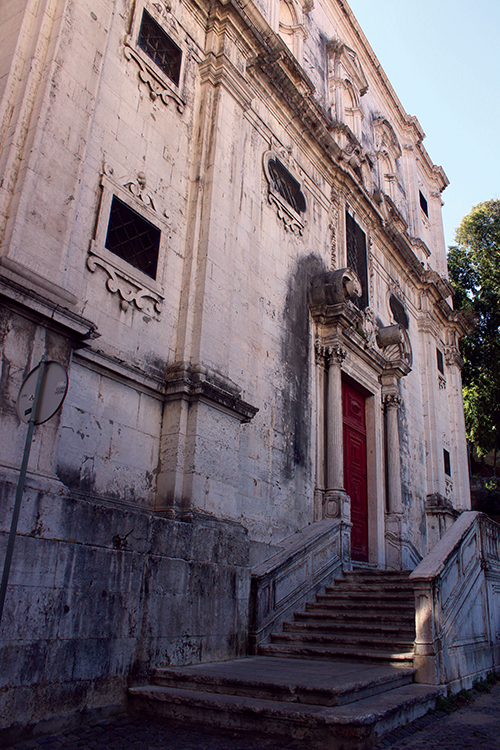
(356, 257)
(160, 48)
(133, 238)
(286, 185)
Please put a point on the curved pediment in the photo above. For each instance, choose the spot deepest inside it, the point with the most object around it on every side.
(386, 138)
(347, 66)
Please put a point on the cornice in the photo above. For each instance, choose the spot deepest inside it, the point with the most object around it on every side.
(285, 76)
(195, 383)
(28, 302)
(219, 70)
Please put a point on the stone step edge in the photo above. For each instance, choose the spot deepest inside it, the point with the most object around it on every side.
(345, 609)
(307, 637)
(358, 713)
(276, 649)
(351, 628)
(344, 694)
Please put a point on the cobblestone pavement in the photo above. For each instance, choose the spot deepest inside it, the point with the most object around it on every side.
(474, 726)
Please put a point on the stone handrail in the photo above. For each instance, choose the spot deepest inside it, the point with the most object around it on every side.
(306, 562)
(457, 600)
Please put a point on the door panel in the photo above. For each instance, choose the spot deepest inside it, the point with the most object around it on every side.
(355, 481)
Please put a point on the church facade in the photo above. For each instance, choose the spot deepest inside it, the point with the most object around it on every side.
(218, 216)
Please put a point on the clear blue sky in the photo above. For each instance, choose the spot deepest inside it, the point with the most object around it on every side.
(442, 57)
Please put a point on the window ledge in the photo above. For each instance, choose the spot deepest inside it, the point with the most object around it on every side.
(158, 84)
(132, 286)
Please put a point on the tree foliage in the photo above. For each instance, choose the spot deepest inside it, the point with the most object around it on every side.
(474, 266)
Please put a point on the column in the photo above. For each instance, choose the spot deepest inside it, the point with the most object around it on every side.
(334, 426)
(320, 483)
(336, 499)
(392, 402)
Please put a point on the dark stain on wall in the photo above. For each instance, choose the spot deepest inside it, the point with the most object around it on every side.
(296, 358)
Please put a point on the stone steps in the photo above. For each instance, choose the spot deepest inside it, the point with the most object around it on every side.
(335, 624)
(338, 676)
(335, 706)
(364, 612)
(349, 619)
(367, 615)
(269, 678)
(338, 653)
(385, 645)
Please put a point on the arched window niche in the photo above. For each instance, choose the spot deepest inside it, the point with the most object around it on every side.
(288, 20)
(347, 84)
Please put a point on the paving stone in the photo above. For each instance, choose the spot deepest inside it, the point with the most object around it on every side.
(474, 727)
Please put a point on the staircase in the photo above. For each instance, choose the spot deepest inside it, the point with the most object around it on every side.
(338, 677)
(368, 616)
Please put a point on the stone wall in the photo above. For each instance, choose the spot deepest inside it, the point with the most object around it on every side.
(98, 593)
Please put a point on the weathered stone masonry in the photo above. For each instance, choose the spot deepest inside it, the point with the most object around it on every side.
(291, 251)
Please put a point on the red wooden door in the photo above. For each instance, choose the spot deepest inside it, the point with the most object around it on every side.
(354, 417)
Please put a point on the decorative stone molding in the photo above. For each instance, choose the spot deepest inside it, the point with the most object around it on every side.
(135, 185)
(394, 215)
(320, 354)
(347, 84)
(335, 287)
(395, 343)
(200, 383)
(159, 87)
(219, 71)
(345, 62)
(56, 316)
(441, 382)
(370, 327)
(333, 226)
(293, 221)
(122, 283)
(386, 140)
(133, 287)
(392, 400)
(335, 355)
(337, 504)
(138, 189)
(452, 357)
(420, 247)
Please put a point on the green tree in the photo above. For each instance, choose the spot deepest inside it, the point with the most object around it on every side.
(474, 265)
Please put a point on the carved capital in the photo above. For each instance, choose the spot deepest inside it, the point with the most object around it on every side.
(392, 400)
(320, 354)
(335, 355)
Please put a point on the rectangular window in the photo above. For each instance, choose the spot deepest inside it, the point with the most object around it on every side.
(160, 48)
(133, 238)
(423, 204)
(440, 361)
(447, 466)
(356, 257)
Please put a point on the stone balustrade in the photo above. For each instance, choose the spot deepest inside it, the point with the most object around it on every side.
(306, 562)
(457, 598)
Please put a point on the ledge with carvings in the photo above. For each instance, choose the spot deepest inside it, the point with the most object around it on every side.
(200, 383)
